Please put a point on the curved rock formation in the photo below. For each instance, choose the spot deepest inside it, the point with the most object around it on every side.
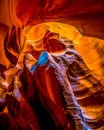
(51, 65)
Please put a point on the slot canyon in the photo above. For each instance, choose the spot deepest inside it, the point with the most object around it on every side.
(51, 64)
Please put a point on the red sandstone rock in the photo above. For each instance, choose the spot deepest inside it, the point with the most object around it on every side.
(63, 89)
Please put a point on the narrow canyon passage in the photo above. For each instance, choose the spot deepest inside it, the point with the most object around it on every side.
(51, 65)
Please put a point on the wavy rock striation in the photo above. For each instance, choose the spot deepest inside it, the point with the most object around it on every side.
(51, 76)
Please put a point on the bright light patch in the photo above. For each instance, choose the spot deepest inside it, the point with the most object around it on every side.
(43, 58)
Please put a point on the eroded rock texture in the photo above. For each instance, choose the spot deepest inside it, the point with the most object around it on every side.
(51, 73)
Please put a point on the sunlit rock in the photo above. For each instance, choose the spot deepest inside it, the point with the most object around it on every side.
(51, 65)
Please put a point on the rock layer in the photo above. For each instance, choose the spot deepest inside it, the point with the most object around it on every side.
(51, 74)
